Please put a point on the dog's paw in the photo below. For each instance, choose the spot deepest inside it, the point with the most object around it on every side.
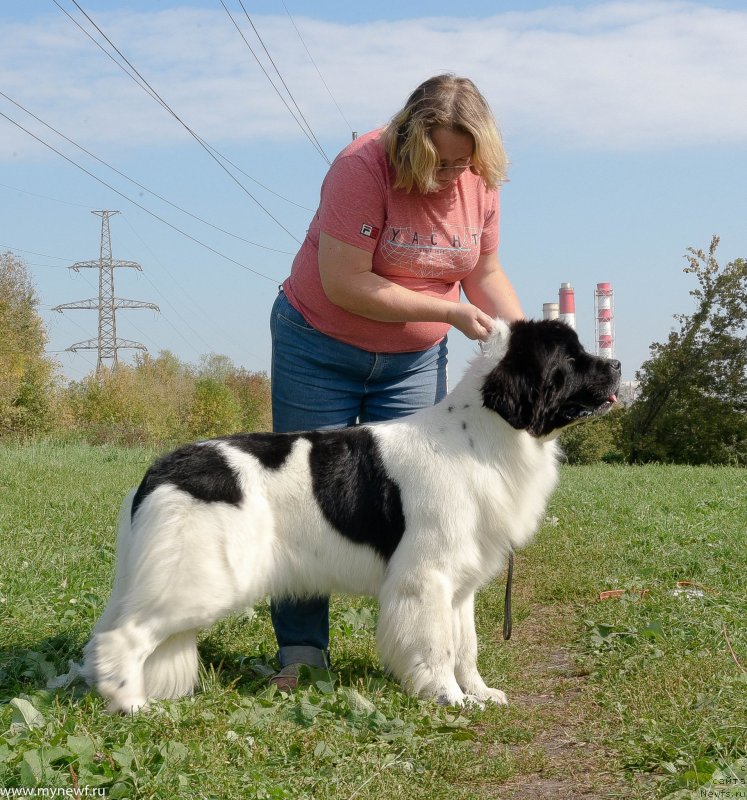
(473, 701)
(476, 687)
(495, 696)
(451, 698)
(127, 706)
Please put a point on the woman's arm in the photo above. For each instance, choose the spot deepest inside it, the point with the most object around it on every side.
(488, 287)
(348, 281)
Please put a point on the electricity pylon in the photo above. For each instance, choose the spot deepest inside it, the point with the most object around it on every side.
(107, 304)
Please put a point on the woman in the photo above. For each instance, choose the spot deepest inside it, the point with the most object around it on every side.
(408, 216)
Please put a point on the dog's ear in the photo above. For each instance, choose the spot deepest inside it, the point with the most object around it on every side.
(515, 387)
(495, 346)
(508, 392)
(504, 389)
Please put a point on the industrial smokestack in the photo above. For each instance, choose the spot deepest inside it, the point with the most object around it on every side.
(549, 311)
(567, 305)
(604, 314)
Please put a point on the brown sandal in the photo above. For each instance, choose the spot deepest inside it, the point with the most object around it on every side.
(287, 679)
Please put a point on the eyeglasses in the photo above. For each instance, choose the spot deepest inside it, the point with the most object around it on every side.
(454, 169)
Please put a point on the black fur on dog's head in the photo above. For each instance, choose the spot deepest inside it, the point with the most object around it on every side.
(546, 380)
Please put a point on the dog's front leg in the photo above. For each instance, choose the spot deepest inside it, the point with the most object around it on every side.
(415, 635)
(465, 666)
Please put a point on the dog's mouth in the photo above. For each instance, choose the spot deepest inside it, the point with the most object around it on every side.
(604, 406)
(594, 408)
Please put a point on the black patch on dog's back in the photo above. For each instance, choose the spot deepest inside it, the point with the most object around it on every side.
(270, 449)
(198, 469)
(353, 490)
(350, 484)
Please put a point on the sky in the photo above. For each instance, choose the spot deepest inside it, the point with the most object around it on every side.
(625, 124)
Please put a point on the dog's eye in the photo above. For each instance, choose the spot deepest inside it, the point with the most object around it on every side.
(571, 361)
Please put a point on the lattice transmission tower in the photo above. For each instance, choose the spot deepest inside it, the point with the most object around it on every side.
(107, 344)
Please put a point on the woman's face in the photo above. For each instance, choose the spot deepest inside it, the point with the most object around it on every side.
(454, 150)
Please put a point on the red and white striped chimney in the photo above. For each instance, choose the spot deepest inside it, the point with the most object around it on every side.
(604, 314)
(567, 305)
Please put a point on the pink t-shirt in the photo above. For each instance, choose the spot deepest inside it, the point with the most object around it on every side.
(426, 243)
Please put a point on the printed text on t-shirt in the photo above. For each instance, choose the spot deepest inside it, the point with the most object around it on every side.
(431, 252)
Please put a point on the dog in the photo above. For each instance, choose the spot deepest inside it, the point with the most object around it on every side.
(418, 513)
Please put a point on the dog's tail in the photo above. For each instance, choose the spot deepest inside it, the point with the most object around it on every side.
(124, 538)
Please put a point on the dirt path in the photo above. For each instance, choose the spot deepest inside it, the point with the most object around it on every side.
(564, 759)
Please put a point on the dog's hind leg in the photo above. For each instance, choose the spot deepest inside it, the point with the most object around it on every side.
(181, 565)
(415, 635)
(134, 663)
(465, 667)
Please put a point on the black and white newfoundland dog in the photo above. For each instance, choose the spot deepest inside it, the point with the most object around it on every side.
(419, 513)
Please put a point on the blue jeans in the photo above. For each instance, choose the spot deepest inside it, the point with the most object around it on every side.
(320, 382)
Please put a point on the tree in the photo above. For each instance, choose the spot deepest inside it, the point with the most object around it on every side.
(25, 371)
(692, 405)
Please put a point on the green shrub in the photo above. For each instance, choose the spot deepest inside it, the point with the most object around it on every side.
(162, 401)
(595, 440)
(252, 391)
(215, 410)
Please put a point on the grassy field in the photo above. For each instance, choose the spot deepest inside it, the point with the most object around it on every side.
(642, 695)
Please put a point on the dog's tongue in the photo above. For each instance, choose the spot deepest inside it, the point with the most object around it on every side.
(612, 398)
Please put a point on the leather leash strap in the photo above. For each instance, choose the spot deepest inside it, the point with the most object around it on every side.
(507, 623)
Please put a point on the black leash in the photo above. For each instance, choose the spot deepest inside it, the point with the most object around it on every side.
(507, 604)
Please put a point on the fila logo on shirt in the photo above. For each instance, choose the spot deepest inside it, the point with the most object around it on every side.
(370, 231)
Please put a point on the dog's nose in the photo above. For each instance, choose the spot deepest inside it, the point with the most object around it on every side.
(615, 364)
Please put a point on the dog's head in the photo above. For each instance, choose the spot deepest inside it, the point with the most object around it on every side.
(544, 380)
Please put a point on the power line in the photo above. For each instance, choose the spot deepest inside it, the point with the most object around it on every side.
(308, 132)
(34, 253)
(143, 83)
(34, 194)
(71, 364)
(254, 180)
(136, 183)
(44, 266)
(318, 72)
(135, 203)
(179, 286)
(71, 354)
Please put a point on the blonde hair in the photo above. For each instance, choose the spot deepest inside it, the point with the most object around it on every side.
(444, 101)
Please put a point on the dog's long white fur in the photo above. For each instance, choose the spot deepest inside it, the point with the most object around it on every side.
(185, 563)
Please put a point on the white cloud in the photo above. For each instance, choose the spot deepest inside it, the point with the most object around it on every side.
(616, 76)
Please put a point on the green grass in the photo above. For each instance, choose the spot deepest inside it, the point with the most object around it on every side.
(671, 693)
(660, 694)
